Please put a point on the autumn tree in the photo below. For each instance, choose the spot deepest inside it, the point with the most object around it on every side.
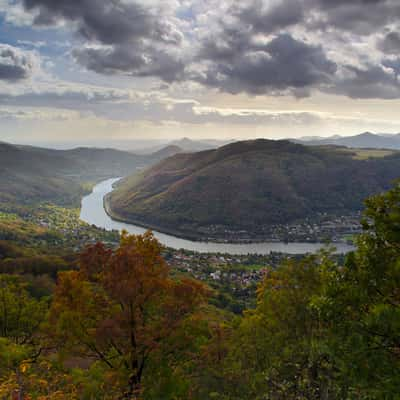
(122, 309)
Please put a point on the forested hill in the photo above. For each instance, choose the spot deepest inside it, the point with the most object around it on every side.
(30, 174)
(248, 184)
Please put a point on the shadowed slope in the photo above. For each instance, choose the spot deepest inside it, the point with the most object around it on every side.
(246, 185)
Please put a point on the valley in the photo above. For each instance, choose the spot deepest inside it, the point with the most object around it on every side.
(199, 200)
(94, 208)
(271, 193)
(31, 174)
(53, 242)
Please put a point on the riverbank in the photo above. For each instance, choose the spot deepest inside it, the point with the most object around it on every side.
(228, 237)
(168, 231)
(93, 212)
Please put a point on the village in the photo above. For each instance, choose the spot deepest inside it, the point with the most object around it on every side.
(66, 229)
(319, 228)
(234, 277)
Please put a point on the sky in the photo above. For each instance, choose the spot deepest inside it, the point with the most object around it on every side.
(104, 71)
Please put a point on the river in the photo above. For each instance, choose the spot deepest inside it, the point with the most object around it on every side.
(92, 212)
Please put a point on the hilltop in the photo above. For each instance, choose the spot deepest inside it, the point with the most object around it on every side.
(246, 186)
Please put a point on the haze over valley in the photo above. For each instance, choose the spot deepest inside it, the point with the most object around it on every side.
(199, 199)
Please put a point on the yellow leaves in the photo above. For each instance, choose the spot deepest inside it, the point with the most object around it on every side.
(24, 367)
(8, 385)
(43, 382)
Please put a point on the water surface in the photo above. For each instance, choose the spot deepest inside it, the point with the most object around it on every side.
(93, 212)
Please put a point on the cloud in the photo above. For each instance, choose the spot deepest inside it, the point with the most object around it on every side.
(128, 106)
(202, 114)
(258, 47)
(30, 43)
(146, 61)
(282, 64)
(267, 17)
(394, 65)
(16, 64)
(390, 44)
(16, 114)
(276, 47)
(15, 14)
(138, 38)
(372, 81)
(65, 96)
(79, 111)
(108, 22)
(362, 17)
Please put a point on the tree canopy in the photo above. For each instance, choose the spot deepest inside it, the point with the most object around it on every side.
(124, 325)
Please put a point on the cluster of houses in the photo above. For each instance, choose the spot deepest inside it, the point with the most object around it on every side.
(69, 229)
(237, 271)
(321, 227)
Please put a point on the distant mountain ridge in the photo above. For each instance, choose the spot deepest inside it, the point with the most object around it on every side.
(363, 140)
(248, 185)
(167, 151)
(187, 145)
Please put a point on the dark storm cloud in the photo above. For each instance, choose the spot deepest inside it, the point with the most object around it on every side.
(370, 82)
(339, 3)
(15, 64)
(264, 19)
(237, 61)
(359, 16)
(391, 43)
(108, 22)
(254, 46)
(363, 17)
(131, 38)
(284, 63)
(147, 61)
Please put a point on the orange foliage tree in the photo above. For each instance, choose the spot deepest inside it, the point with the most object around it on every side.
(122, 307)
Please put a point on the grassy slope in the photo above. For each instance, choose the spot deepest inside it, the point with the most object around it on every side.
(246, 184)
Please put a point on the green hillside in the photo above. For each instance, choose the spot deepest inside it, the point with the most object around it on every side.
(30, 174)
(247, 185)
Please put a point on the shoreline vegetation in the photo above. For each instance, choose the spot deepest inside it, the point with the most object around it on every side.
(153, 227)
(199, 237)
(347, 238)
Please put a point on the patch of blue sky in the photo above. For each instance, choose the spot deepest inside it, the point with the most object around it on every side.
(50, 42)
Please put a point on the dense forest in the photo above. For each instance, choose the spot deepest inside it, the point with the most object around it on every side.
(119, 323)
(250, 186)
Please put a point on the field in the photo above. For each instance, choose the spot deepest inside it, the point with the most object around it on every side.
(365, 154)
